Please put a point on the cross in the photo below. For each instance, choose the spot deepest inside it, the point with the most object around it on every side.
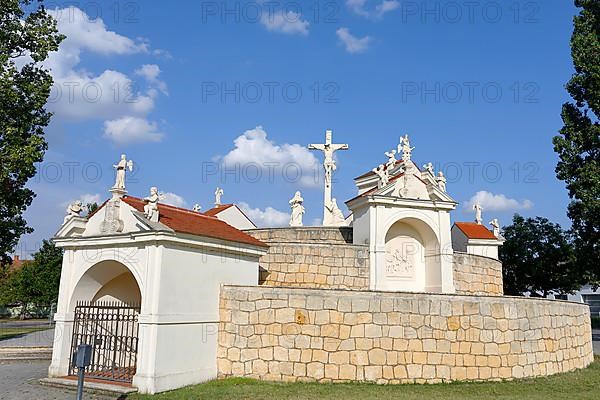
(328, 148)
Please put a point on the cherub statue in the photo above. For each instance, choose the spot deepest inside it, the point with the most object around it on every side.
(197, 207)
(296, 203)
(73, 210)
(495, 227)
(383, 174)
(218, 194)
(391, 155)
(151, 207)
(429, 168)
(441, 181)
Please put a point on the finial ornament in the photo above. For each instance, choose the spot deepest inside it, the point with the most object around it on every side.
(495, 227)
(151, 207)
(296, 203)
(478, 210)
(73, 210)
(218, 194)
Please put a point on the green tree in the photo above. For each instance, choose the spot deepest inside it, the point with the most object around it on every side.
(537, 257)
(23, 95)
(37, 282)
(578, 144)
(91, 208)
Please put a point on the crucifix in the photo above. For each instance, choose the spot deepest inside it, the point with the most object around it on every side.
(328, 148)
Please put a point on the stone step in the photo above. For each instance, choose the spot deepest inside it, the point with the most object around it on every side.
(25, 353)
(90, 386)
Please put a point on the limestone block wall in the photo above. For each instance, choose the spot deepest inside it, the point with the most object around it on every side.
(477, 275)
(287, 334)
(313, 258)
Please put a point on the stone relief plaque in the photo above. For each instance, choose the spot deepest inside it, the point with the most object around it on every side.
(398, 266)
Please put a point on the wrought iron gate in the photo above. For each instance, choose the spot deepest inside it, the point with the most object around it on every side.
(112, 330)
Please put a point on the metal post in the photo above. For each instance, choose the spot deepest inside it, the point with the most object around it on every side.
(81, 376)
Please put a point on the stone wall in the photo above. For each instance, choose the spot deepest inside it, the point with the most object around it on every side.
(333, 335)
(477, 275)
(313, 258)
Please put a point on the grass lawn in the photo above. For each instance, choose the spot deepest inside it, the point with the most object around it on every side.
(579, 385)
(9, 333)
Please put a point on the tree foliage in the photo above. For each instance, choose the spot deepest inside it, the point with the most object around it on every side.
(36, 282)
(23, 94)
(578, 144)
(537, 257)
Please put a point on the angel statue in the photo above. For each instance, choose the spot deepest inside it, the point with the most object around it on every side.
(297, 210)
(404, 147)
(121, 168)
(151, 206)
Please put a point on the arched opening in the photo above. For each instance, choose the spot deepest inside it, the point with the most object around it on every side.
(106, 304)
(107, 281)
(413, 261)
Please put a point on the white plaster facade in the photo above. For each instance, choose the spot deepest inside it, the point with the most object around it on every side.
(232, 215)
(476, 245)
(174, 276)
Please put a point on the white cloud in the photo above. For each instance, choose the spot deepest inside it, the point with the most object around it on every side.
(86, 198)
(174, 200)
(293, 161)
(150, 72)
(496, 202)
(78, 94)
(359, 7)
(352, 43)
(290, 23)
(132, 130)
(267, 218)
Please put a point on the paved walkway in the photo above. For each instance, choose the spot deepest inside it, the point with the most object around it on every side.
(34, 339)
(20, 382)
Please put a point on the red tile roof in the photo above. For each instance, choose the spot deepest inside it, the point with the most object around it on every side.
(188, 221)
(215, 210)
(475, 231)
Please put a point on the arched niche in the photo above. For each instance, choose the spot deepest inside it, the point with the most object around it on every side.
(412, 257)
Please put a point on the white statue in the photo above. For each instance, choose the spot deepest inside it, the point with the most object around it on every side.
(336, 216)
(383, 174)
(296, 203)
(478, 209)
(441, 181)
(404, 147)
(391, 155)
(121, 168)
(151, 206)
(495, 227)
(197, 207)
(73, 210)
(429, 168)
(328, 148)
(218, 194)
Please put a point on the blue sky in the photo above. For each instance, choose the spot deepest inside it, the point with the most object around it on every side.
(478, 88)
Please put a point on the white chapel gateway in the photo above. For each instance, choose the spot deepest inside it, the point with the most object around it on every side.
(137, 263)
